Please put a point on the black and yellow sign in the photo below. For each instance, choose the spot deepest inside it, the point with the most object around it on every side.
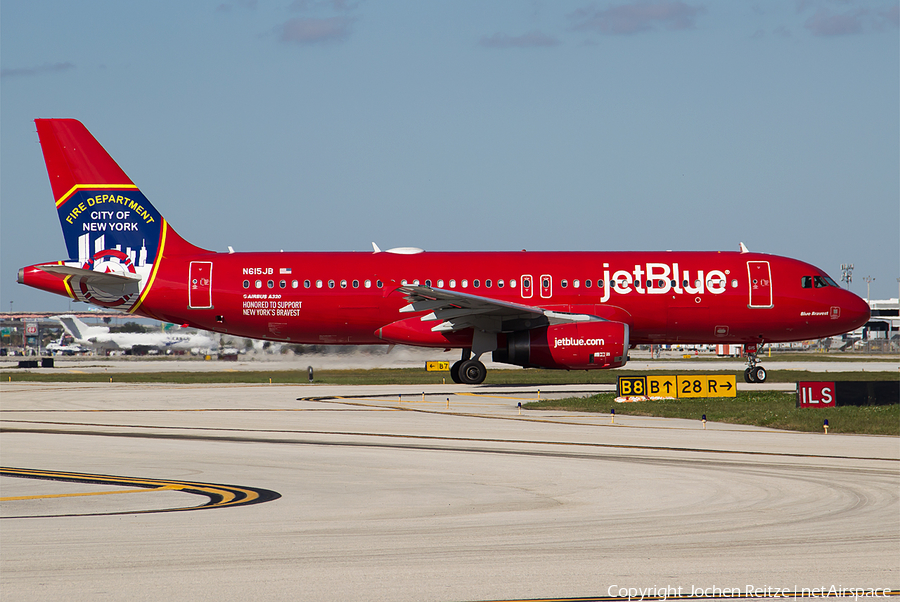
(682, 386)
(632, 385)
(661, 386)
(437, 366)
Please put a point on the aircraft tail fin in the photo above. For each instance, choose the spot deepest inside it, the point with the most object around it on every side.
(104, 216)
(74, 326)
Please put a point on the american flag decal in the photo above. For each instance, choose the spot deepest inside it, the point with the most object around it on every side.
(284, 271)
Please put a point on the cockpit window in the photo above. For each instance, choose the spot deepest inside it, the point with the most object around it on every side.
(817, 282)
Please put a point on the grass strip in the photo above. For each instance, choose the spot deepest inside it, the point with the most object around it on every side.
(772, 409)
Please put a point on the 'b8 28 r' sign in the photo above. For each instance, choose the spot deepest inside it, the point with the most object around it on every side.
(694, 385)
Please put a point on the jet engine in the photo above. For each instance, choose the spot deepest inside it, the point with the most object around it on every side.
(572, 346)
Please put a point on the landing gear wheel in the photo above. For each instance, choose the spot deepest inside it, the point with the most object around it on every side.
(748, 375)
(472, 372)
(454, 372)
(758, 374)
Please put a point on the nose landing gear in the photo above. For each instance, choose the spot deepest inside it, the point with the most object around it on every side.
(754, 372)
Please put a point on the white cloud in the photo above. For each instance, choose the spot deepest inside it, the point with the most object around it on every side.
(531, 39)
(41, 70)
(636, 17)
(315, 31)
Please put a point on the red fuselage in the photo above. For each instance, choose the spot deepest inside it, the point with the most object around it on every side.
(692, 297)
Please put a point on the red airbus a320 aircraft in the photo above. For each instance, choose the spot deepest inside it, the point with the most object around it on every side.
(565, 310)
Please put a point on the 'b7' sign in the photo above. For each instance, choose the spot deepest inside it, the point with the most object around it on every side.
(816, 395)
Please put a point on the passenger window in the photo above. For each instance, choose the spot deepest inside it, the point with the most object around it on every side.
(476, 283)
(258, 283)
(564, 283)
(331, 284)
(600, 284)
(428, 283)
(282, 284)
(416, 282)
(440, 283)
(734, 283)
(318, 284)
(587, 283)
(355, 284)
(271, 284)
(500, 283)
(452, 283)
(294, 284)
(306, 284)
(403, 282)
(464, 283)
(576, 283)
(487, 283)
(343, 284)
(512, 283)
(246, 284)
(378, 284)
(367, 283)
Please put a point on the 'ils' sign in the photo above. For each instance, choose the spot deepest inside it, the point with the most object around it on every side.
(816, 395)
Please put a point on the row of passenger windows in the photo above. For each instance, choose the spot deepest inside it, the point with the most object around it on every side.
(526, 283)
(308, 284)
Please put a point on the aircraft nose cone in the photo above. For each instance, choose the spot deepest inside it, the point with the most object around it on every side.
(855, 311)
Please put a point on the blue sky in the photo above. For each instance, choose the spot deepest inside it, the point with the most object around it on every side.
(469, 125)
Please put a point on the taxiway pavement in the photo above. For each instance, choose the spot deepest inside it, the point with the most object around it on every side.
(386, 496)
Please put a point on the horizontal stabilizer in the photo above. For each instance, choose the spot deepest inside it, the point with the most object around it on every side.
(90, 276)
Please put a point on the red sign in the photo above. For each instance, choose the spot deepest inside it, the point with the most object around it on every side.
(816, 395)
(31, 329)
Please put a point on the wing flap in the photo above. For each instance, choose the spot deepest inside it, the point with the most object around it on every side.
(458, 311)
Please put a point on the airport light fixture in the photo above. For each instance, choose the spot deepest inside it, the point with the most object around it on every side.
(847, 273)
(869, 280)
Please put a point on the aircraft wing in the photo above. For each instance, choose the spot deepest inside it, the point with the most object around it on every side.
(454, 310)
(90, 276)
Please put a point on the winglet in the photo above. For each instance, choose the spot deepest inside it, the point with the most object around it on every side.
(744, 248)
(375, 248)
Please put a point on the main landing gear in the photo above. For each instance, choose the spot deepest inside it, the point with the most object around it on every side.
(754, 372)
(468, 371)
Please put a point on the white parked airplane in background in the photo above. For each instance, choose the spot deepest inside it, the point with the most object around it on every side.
(62, 347)
(99, 337)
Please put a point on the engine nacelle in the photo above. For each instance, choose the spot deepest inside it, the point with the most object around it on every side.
(573, 346)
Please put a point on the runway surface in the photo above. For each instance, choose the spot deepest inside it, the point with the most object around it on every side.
(386, 496)
(411, 357)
